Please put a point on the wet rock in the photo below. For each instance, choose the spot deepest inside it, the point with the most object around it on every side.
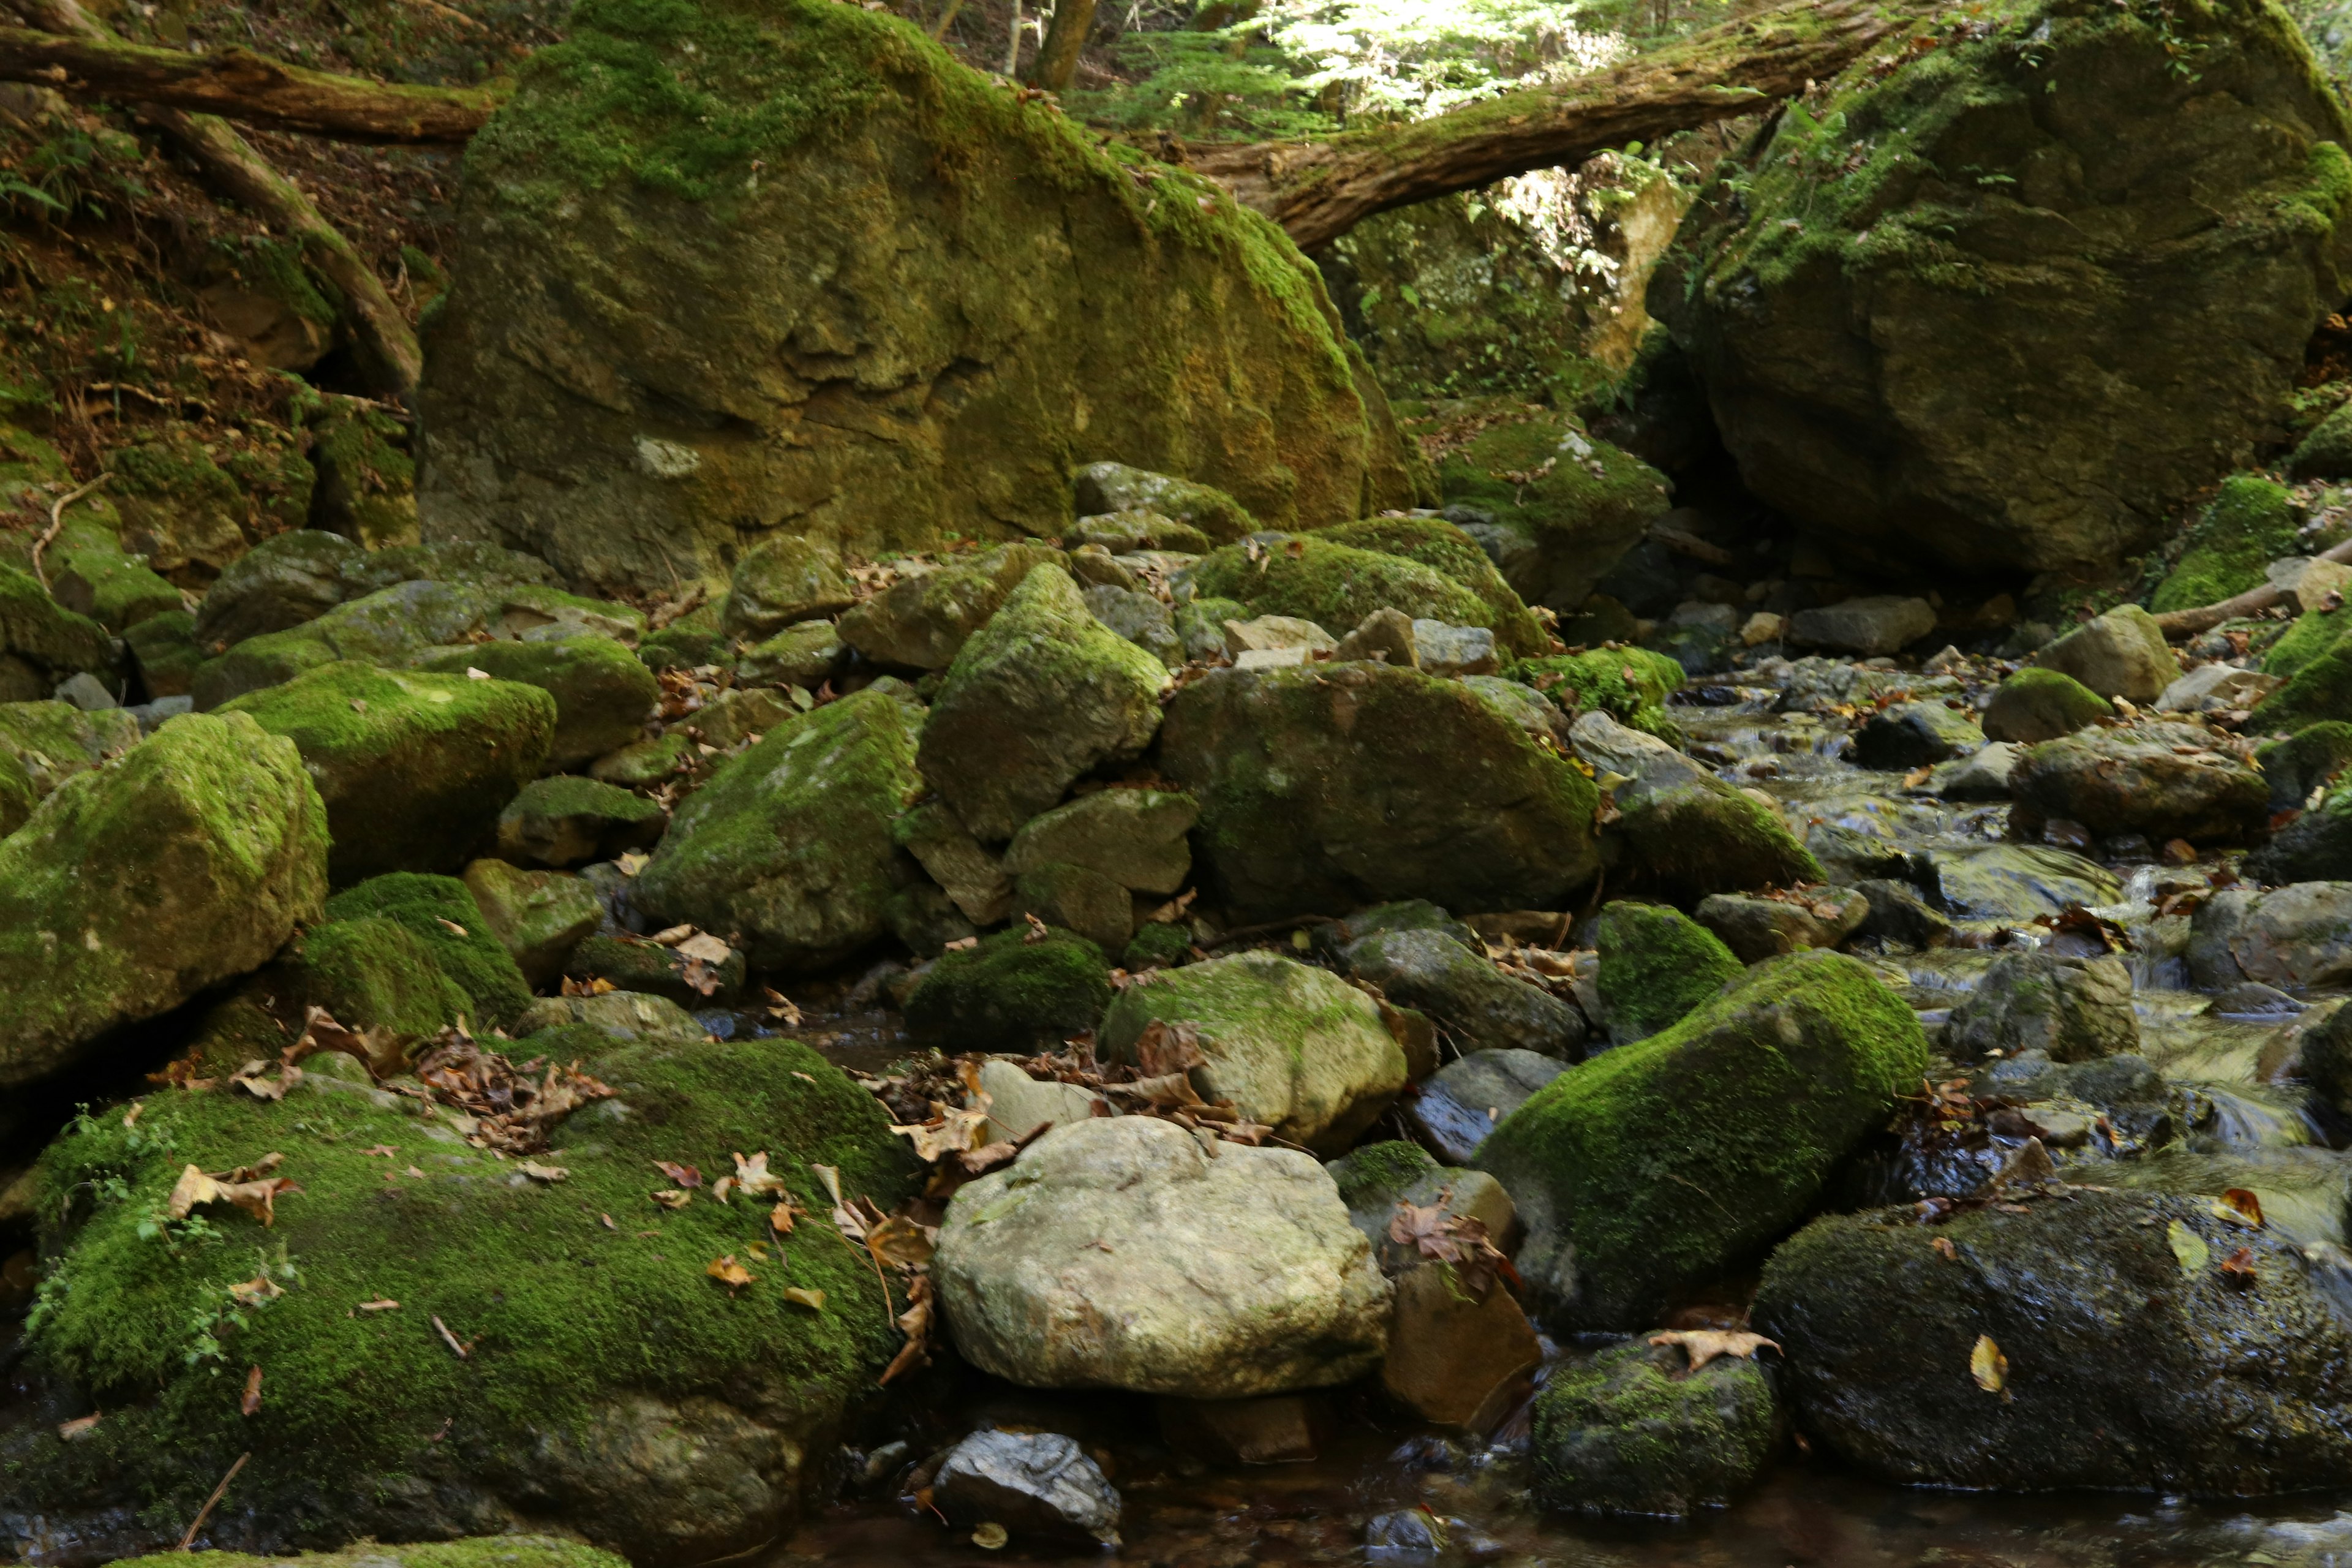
(1456, 1358)
(1479, 1007)
(1316, 796)
(54, 742)
(2295, 937)
(1032, 1483)
(215, 810)
(280, 582)
(1142, 494)
(2073, 1008)
(603, 694)
(1121, 1253)
(2132, 1359)
(2315, 847)
(801, 656)
(1756, 929)
(1814, 684)
(788, 847)
(1010, 994)
(1039, 696)
(1879, 623)
(922, 622)
(2012, 882)
(568, 821)
(782, 581)
(1913, 734)
(1135, 838)
(1657, 964)
(1463, 1103)
(2306, 1191)
(414, 768)
(1276, 1430)
(1897, 912)
(539, 916)
(2164, 780)
(2119, 654)
(969, 873)
(1291, 1047)
(2037, 704)
(1378, 1178)
(1084, 901)
(1635, 1430)
(1984, 776)
(1850, 857)
(626, 1016)
(1665, 1163)
(1139, 617)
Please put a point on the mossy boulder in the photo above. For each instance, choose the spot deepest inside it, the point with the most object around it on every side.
(2327, 452)
(1139, 497)
(410, 953)
(1628, 684)
(603, 694)
(2120, 653)
(414, 767)
(1134, 836)
(2314, 633)
(370, 1425)
(570, 821)
(1684, 839)
(135, 887)
(2250, 522)
(2304, 762)
(787, 850)
(1911, 345)
(1040, 695)
(802, 655)
(2037, 704)
(115, 590)
(55, 740)
(922, 622)
(1583, 501)
(2070, 1007)
(2165, 780)
(1660, 1166)
(41, 641)
(1011, 994)
(17, 796)
(539, 916)
(1636, 1429)
(639, 964)
(1323, 789)
(1442, 547)
(163, 651)
(185, 513)
(676, 162)
(1335, 586)
(366, 479)
(1478, 1006)
(780, 582)
(1655, 965)
(2317, 662)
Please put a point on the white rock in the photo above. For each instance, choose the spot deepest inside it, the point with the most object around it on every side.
(2215, 687)
(1454, 650)
(1018, 1102)
(1276, 632)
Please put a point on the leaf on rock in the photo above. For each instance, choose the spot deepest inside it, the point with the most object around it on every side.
(249, 1078)
(378, 1047)
(705, 948)
(946, 1132)
(1946, 1250)
(2238, 1268)
(802, 1296)
(730, 1273)
(1163, 1048)
(2239, 1206)
(246, 1187)
(512, 1113)
(2189, 1248)
(899, 1243)
(1988, 1365)
(1703, 1345)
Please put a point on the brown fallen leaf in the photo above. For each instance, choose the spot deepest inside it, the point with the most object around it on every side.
(385, 1149)
(1036, 931)
(1163, 1048)
(549, 1174)
(78, 1428)
(679, 1175)
(899, 1243)
(754, 1177)
(1703, 1345)
(255, 1292)
(672, 1198)
(1988, 1365)
(779, 1218)
(2241, 1206)
(249, 1078)
(1946, 1250)
(707, 949)
(1916, 777)
(730, 1273)
(257, 1197)
(802, 1296)
(251, 1403)
(2238, 1268)
(377, 1047)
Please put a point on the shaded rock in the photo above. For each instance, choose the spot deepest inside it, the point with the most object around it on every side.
(214, 809)
(1442, 547)
(1325, 789)
(2294, 937)
(47, 641)
(1041, 695)
(627, 1016)
(802, 655)
(410, 953)
(2037, 704)
(1118, 488)
(1162, 944)
(1683, 841)
(1384, 635)
(2130, 1360)
(1454, 651)
(1278, 1429)
(925, 919)
(2119, 654)
(17, 796)
(2316, 847)
(1897, 912)
(1118, 1253)
(1294, 1047)
(922, 622)
(2163, 779)
(1660, 1165)
(1010, 994)
(2216, 688)
(115, 590)
(1913, 734)
(1478, 1006)
(2073, 1009)
(1635, 1430)
(1756, 929)
(2013, 883)
(55, 740)
(1545, 724)
(1139, 617)
(636, 963)
(783, 580)
(1200, 625)
(969, 873)
(1374, 1179)
(1032, 1483)
(1583, 501)
(539, 916)
(1457, 1359)
(2300, 764)
(1466, 1099)
(163, 650)
(1985, 775)
(567, 821)
(603, 694)
(643, 762)
(384, 628)
(1129, 529)
(1309, 578)
(1657, 964)
(1133, 836)
(1084, 901)
(1879, 623)
(789, 844)
(280, 583)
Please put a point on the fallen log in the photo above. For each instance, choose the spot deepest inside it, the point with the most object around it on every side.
(2178, 624)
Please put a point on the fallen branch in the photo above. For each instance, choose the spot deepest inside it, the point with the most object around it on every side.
(213, 1502)
(2178, 624)
(58, 522)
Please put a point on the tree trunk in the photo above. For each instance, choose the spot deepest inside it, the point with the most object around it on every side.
(1058, 57)
(1319, 190)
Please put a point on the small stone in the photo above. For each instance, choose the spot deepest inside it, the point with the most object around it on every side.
(1880, 624)
(2037, 705)
(1385, 635)
(2073, 1008)
(566, 821)
(1032, 1483)
(1761, 627)
(1756, 929)
(86, 692)
(1455, 1360)
(1278, 632)
(2216, 689)
(1018, 1104)
(1913, 734)
(1446, 650)
(1982, 776)
(1464, 1101)
(782, 581)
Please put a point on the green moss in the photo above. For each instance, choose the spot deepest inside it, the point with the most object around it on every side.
(1158, 944)
(2325, 453)
(490, 986)
(2037, 704)
(2319, 692)
(17, 796)
(2312, 634)
(2252, 522)
(1628, 684)
(1660, 1165)
(603, 695)
(1583, 501)
(55, 740)
(366, 480)
(561, 1314)
(1010, 994)
(1336, 586)
(634, 963)
(2305, 761)
(35, 627)
(1633, 1431)
(1657, 964)
(115, 590)
(1442, 547)
(1376, 1173)
(164, 649)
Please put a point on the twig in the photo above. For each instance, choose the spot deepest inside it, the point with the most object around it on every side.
(58, 521)
(206, 1512)
(463, 1353)
(1270, 927)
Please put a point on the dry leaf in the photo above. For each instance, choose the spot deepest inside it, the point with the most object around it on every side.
(379, 1049)
(2238, 1268)
(899, 1243)
(632, 863)
(255, 1292)
(1163, 1048)
(248, 1079)
(730, 1273)
(1988, 1365)
(672, 1198)
(1916, 777)
(2239, 1206)
(1036, 931)
(723, 1188)
(948, 1132)
(801, 1296)
(251, 1403)
(257, 1197)
(1703, 1345)
(78, 1428)
(779, 1218)
(1946, 1250)
(705, 948)
(756, 1180)
(2189, 1248)
(539, 1173)
(452, 927)
(679, 1175)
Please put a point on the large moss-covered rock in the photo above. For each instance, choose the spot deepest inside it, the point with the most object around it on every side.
(1010, 992)
(570, 821)
(410, 954)
(1333, 585)
(1656, 964)
(781, 582)
(2164, 780)
(1637, 1430)
(115, 590)
(539, 916)
(1582, 501)
(936, 301)
(1442, 547)
(1660, 1165)
(2250, 522)
(414, 768)
(1961, 307)
(2037, 704)
(788, 847)
(135, 887)
(278, 585)
(41, 641)
(2128, 1356)
(1628, 684)
(1039, 696)
(603, 694)
(698, 1442)
(55, 740)
(922, 622)
(1323, 789)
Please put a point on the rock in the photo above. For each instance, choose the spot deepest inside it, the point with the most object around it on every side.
(788, 847)
(48, 640)
(781, 581)
(1096, 567)
(1276, 1430)
(690, 642)
(644, 762)
(1290, 1047)
(1032, 1483)
(2167, 780)
(2036, 705)
(1128, 529)
(1985, 775)
(1879, 623)
(55, 740)
(969, 873)
(1164, 944)
(1685, 834)
(2298, 766)
(1140, 494)
(1315, 794)
(603, 695)
(1087, 902)
(1478, 1006)
(1118, 1253)
(2216, 688)
(660, 1476)
(922, 622)
(1309, 578)
(1276, 634)
(2315, 847)
(385, 627)
(1630, 685)
(2294, 937)
(2308, 579)
(1582, 501)
(1913, 734)
(567, 821)
(1456, 1358)
(734, 717)
(1384, 635)
(86, 692)
(1665, 1163)
(280, 583)
(2073, 1009)
(163, 649)
(414, 768)
(801, 656)
(1756, 929)
(2130, 1361)
(1454, 651)
(508, 1551)
(115, 590)
(627, 1016)
(1043, 693)
(2012, 882)
(1374, 1178)
(1139, 617)
(1545, 724)
(1467, 1098)
(406, 952)
(539, 916)
(1010, 994)
(1442, 547)
(1133, 836)
(2250, 522)
(1898, 914)
(638, 963)
(1018, 1104)
(215, 810)
(1657, 965)
(926, 920)
(2119, 654)
(1996, 395)
(1635, 1430)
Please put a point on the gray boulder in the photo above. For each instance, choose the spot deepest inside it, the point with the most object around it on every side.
(1133, 836)
(1756, 929)
(1913, 734)
(921, 622)
(2074, 1008)
(282, 582)
(1478, 1006)
(1139, 617)
(1880, 624)
(2165, 780)
(2294, 937)
(783, 581)
(2119, 654)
